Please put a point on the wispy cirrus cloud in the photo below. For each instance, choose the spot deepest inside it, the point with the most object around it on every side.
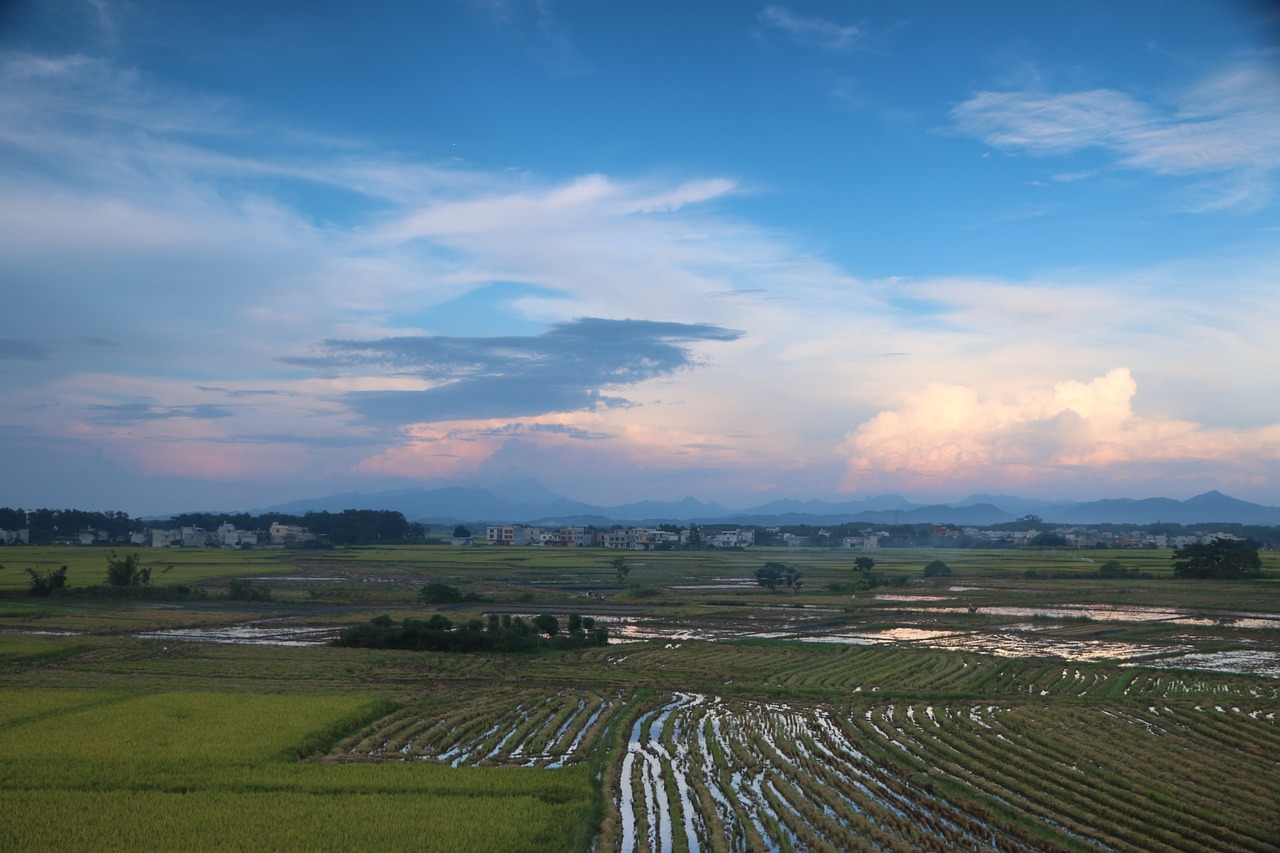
(545, 35)
(813, 32)
(1227, 125)
(131, 413)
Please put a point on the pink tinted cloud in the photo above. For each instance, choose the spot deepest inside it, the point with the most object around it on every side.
(958, 436)
(461, 448)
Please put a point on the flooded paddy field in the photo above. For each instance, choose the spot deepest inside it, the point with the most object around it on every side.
(703, 773)
(261, 634)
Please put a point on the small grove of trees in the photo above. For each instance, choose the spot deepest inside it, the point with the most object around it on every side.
(774, 575)
(499, 634)
(937, 569)
(441, 593)
(47, 583)
(1116, 569)
(1221, 559)
(125, 571)
(867, 578)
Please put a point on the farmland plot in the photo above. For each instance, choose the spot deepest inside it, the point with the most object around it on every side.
(703, 773)
(117, 771)
(523, 728)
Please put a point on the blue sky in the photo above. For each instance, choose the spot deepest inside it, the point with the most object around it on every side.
(637, 250)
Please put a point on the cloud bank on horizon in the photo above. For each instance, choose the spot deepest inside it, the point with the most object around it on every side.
(252, 255)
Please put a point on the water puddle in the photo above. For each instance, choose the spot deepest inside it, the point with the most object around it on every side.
(723, 585)
(887, 596)
(892, 635)
(301, 578)
(1252, 623)
(248, 635)
(1112, 613)
(1009, 644)
(1242, 661)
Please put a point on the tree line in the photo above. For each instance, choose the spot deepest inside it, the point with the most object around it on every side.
(45, 525)
(349, 527)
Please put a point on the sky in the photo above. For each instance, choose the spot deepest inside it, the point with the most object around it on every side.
(252, 253)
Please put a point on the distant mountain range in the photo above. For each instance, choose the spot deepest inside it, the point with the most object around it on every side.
(528, 501)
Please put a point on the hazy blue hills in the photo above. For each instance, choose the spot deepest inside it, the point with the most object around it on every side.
(528, 501)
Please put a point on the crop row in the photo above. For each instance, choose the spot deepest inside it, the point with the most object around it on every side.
(507, 727)
(859, 669)
(703, 773)
(116, 771)
(897, 671)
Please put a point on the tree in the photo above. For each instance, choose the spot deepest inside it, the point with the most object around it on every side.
(461, 532)
(937, 569)
(441, 593)
(1113, 569)
(620, 566)
(45, 584)
(864, 564)
(124, 571)
(1221, 559)
(547, 624)
(774, 575)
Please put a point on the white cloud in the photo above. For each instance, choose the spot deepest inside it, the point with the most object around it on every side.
(165, 229)
(960, 436)
(1227, 123)
(817, 32)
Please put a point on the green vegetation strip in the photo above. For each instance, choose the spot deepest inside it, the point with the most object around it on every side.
(196, 770)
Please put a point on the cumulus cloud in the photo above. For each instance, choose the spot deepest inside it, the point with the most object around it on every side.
(960, 436)
(1227, 124)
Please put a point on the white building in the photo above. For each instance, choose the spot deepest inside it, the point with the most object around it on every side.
(228, 537)
(13, 537)
(288, 534)
(736, 538)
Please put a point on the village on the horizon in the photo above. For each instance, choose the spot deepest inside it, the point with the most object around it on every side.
(1030, 531)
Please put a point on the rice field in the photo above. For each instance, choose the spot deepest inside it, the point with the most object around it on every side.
(103, 770)
(703, 773)
(516, 728)
(1020, 705)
